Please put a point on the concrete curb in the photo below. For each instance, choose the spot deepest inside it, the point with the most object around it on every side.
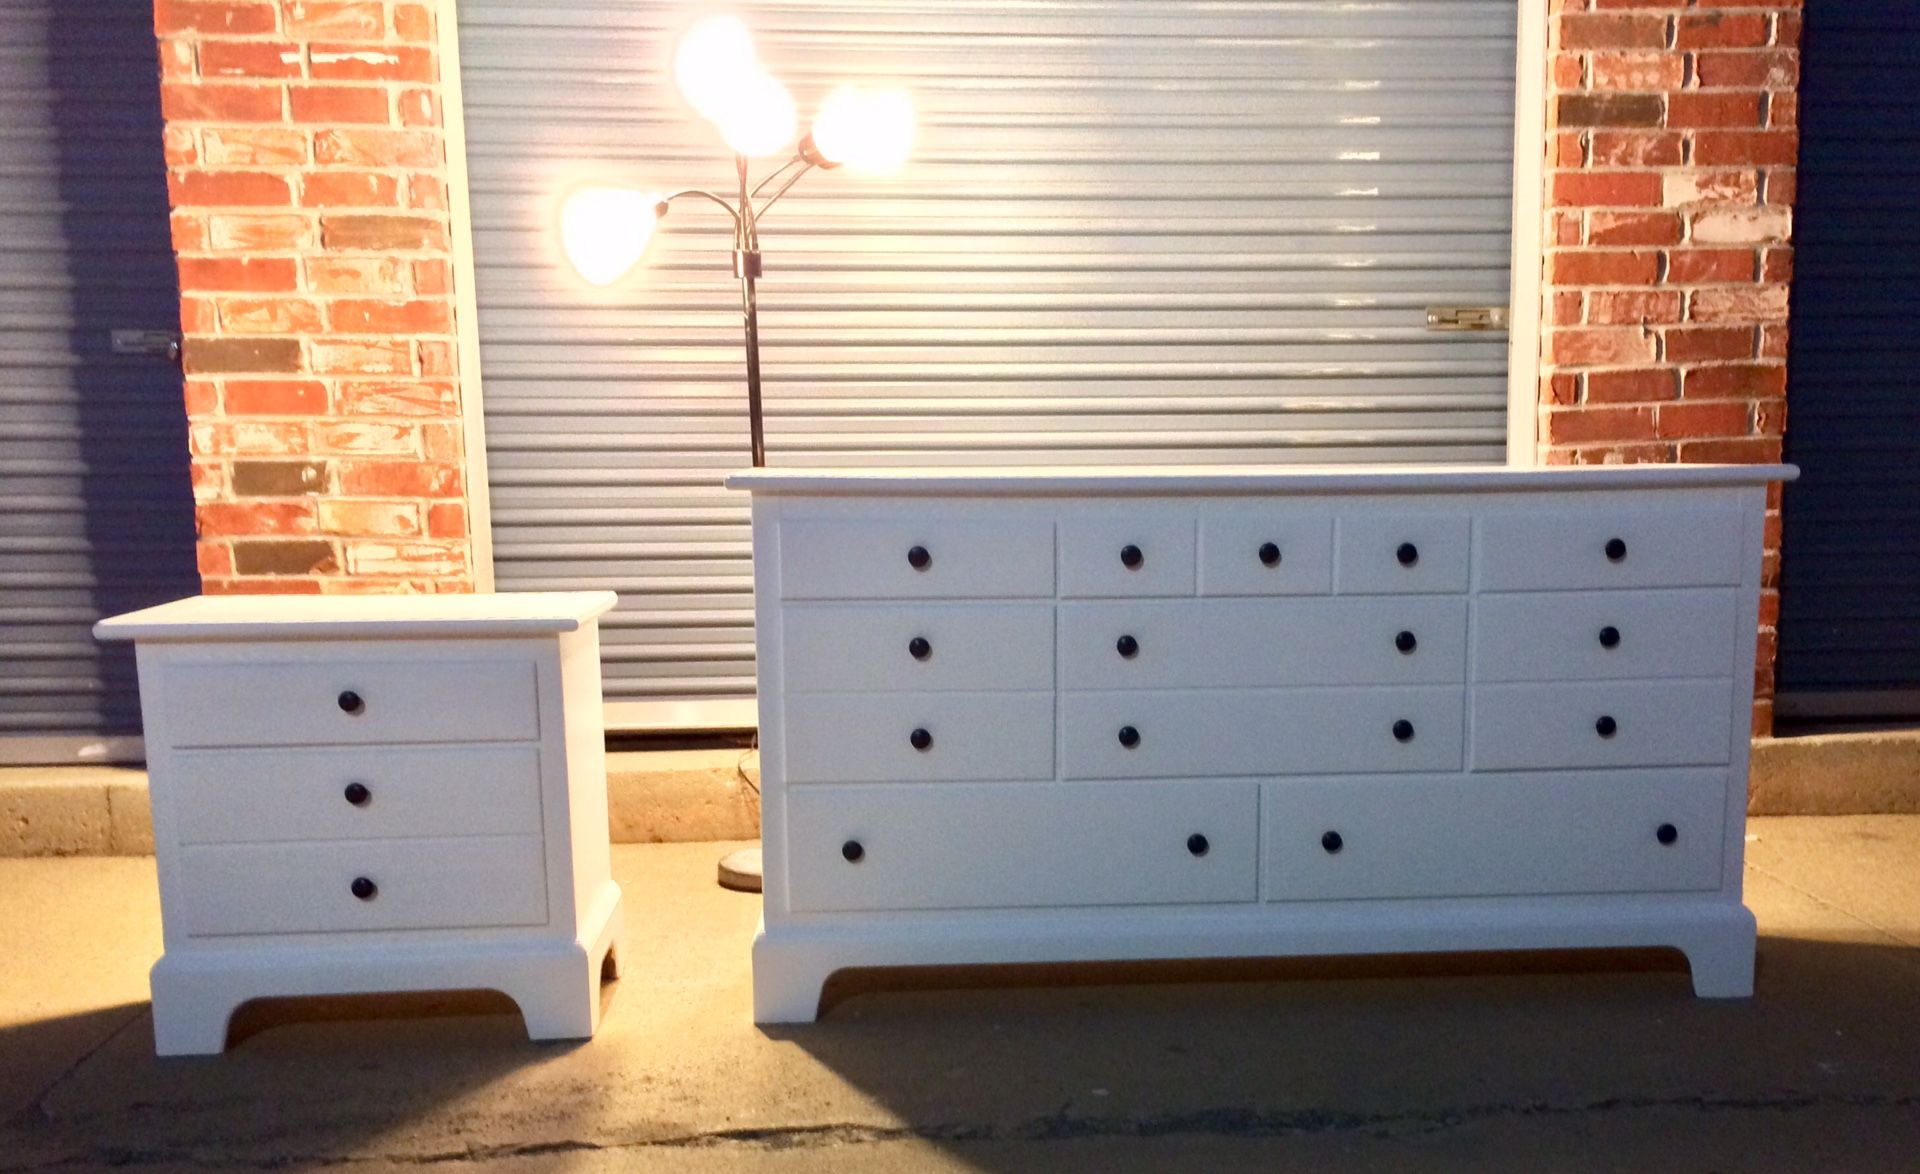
(673, 796)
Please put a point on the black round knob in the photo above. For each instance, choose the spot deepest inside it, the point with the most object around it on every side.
(352, 703)
(364, 889)
(919, 559)
(1408, 554)
(1666, 833)
(921, 739)
(918, 648)
(1609, 637)
(1406, 642)
(1127, 646)
(1616, 550)
(852, 852)
(1403, 730)
(1129, 737)
(1270, 554)
(1606, 727)
(1197, 844)
(1332, 842)
(357, 794)
(1131, 558)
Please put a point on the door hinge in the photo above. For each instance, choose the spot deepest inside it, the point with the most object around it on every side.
(164, 344)
(1466, 317)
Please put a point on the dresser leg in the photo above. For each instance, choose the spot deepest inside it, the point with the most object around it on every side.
(1722, 960)
(190, 1018)
(787, 984)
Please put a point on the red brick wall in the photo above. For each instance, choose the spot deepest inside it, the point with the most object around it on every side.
(1670, 180)
(307, 172)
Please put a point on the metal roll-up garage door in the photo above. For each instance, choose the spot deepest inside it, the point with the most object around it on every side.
(1850, 565)
(1131, 232)
(98, 508)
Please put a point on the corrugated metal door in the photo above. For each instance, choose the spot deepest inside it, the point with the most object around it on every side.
(96, 510)
(1850, 559)
(1132, 232)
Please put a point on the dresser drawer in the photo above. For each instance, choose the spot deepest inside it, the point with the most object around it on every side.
(1684, 544)
(1060, 844)
(1117, 557)
(1652, 723)
(931, 558)
(917, 646)
(308, 888)
(353, 701)
(1401, 640)
(236, 796)
(1402, 553)
(1600, 635)
(1480, 836)
(1255, 554)
(898, 737)
(1198, 732)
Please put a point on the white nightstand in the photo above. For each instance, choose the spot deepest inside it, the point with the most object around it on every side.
(376, 793)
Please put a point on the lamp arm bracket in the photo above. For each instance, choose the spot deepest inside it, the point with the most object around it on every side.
(777, 172)
(705, 195)
(783, 189)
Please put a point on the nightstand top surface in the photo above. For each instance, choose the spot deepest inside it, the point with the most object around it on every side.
(350, 617)
(1283, 480)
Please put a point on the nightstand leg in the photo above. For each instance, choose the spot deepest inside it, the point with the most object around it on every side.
(1721, 959)
(190, 1017)
(787, 982)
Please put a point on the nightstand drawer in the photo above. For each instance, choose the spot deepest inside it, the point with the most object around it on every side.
(1058, 844)
(311, 888)
(1116, 556)
(1601, 635)
(1244, 553)
(905, 737)
(349, 702)
(931, 558)
(1481, 837)
(1625, 723)
(1402, 554)
(917, 646)
(1199, 732)
(1410, 640)
(1683, 544)
(240, 796)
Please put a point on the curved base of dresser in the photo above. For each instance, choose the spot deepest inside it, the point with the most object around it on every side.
(793, 961)
(555, 983)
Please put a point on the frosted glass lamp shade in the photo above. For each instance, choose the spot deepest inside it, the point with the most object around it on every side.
(867, 130)
(605, 231)
(714, 59)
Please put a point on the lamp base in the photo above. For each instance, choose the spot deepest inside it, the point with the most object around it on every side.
(740, 870)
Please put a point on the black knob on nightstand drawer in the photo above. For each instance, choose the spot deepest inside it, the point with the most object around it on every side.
(1131, 558)
(852, 852)
(920, 739)
(352, 704)
(1270, 554)
(357, 794)
(1403, 730)
(1197, 844)
(1332, 842)
(1666, 833)
(1129, 737)
(918, 648)
(919, 559)
(1408, 554)
(1127, 646)
(1606, 727)
(1616, 549)
(364, 889)
(1405, 642)
(1609, 637)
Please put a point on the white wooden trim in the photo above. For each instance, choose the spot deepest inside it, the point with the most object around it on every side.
(473, 427)
(1529, 236)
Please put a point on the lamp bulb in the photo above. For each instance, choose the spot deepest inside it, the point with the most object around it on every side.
(605, 230)
(760, 118)
(714, 58)
(867, 130)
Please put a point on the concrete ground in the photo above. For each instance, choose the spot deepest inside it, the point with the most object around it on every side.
(1592, 1062)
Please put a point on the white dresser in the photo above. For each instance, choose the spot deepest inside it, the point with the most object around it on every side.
(1026, 716)
(376, 793)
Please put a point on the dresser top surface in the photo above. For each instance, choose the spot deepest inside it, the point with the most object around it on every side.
(349, 617)
(1242, 480)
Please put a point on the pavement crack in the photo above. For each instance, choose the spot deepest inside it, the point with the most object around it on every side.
(1817, 899)
(1231, 1123)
